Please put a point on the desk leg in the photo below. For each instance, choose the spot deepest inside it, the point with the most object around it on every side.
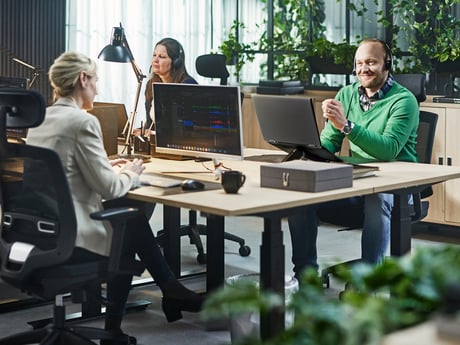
(171, 249)
(215, 252)
(272, 273)
(400, 225)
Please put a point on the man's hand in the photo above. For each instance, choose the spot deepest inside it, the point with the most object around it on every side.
(333, 111)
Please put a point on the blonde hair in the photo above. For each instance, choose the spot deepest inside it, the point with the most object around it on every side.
(65, 71)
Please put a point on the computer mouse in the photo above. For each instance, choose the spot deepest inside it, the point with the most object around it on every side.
(192, 185)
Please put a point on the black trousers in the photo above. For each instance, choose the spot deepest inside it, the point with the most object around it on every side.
(139, 240)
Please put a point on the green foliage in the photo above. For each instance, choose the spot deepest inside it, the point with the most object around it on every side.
(428, 27)
(236, 52)
(431, 30)
(401, 292)
(340, 53)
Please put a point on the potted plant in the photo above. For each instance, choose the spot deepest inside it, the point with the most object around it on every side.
(325, 56)
(236, 52)
(397, 294)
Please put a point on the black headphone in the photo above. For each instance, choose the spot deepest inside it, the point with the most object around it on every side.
(178, 61)
(388, 55)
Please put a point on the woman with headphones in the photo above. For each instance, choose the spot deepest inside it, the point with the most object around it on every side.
(168, 66)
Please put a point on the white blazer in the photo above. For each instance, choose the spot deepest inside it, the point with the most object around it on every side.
(77, 137)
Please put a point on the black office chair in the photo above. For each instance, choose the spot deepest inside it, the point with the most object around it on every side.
(210, 66)
(38, 229)
(352, 218)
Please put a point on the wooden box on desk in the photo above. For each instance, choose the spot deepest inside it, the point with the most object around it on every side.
(306, 176)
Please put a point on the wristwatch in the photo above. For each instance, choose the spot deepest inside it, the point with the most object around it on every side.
(348, 127)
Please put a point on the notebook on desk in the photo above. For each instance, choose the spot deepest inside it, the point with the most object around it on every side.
(289, 123)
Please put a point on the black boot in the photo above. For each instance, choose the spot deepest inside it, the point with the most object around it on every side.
(177, 298)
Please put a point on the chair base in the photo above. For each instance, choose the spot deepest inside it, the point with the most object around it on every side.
(64, 336)
(79, 316)
(331, 269)
(61, 333)
(194, 231)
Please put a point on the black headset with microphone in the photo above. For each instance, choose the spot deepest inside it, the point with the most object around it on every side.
(178, 61)
(388, 56)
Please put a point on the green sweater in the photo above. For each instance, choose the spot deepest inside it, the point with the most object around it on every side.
(386, 132)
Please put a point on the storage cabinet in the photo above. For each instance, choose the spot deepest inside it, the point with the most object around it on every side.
(445, 202)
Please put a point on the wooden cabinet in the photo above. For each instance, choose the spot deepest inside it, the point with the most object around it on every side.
(445, 202)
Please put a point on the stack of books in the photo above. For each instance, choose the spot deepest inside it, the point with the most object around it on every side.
(280, 87)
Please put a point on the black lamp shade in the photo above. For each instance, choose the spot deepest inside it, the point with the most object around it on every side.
(116, 51)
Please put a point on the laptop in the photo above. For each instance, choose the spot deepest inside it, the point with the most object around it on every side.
(289, 123)
(112, 117)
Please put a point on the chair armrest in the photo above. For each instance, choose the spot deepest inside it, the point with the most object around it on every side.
(113, 214)
(118, 218)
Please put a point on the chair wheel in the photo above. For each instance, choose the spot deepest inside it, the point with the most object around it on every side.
(245, 250)
(202, 258)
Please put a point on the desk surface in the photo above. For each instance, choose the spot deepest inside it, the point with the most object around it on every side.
(253, 199)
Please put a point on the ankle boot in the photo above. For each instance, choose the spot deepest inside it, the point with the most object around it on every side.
(177, 298)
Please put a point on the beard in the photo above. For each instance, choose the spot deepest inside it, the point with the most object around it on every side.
(373, 81)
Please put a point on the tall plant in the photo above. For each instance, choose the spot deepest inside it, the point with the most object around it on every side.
(430, 30)
(236, 52)
(296, 24)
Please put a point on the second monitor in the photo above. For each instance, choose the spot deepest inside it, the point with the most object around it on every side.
(202, 121)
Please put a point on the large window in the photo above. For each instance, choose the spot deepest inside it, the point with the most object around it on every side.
(200, 25)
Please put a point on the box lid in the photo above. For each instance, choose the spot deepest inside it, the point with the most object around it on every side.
(321, 170)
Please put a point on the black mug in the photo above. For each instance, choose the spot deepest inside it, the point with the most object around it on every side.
(232, 180)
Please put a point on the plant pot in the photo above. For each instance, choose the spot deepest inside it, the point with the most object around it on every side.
(319, 65)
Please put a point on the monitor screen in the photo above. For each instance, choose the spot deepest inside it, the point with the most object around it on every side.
(202, 121)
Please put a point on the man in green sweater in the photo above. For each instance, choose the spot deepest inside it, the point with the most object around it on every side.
(380, 119)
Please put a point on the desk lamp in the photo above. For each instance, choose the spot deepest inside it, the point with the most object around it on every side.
(118, 51)
(33, 68)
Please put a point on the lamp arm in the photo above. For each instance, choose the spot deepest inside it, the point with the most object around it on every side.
(130, 124)
(127, 131)
(36, 75)
(140, 76)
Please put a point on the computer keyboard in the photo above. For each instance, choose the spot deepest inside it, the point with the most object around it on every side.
(160, 181)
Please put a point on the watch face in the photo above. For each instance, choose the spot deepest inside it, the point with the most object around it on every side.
(346, 129)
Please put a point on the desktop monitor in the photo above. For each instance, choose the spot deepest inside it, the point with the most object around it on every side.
(201, 121)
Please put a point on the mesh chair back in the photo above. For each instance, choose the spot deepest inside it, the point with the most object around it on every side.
(39, 224)
(416, 83)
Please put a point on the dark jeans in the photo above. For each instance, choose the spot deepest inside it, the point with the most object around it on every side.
(371, 212)
(139, 240)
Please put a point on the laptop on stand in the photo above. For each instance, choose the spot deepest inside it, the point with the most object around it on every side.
(289, 123)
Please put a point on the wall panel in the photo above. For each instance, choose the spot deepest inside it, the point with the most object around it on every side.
(32, 31)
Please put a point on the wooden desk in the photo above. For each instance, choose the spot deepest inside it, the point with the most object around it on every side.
(273, 205)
